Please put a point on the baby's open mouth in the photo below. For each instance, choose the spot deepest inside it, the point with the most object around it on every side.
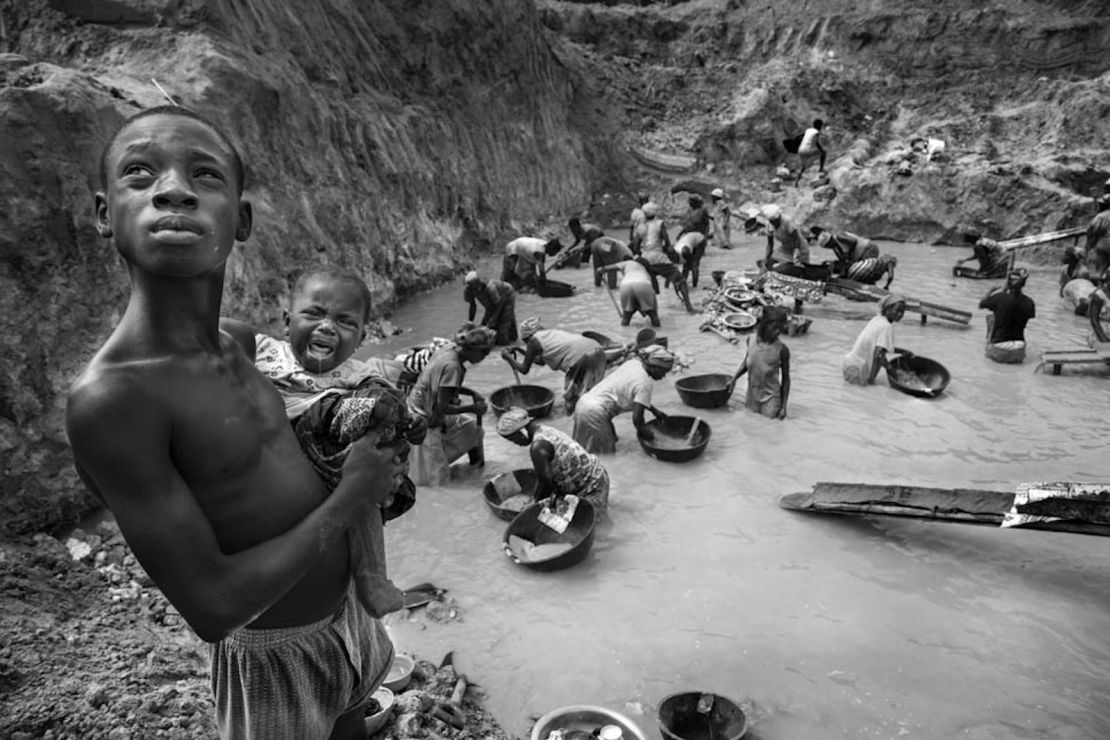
(319, 350)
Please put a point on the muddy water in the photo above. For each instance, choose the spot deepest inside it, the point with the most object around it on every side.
(825, 627)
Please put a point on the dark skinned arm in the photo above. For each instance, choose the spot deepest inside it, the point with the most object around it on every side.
(533, 353)
(448, 404)
(121, 442)
(542, 454)
(1094, 311)
(878, 360)
(784, 357)
(472, 309)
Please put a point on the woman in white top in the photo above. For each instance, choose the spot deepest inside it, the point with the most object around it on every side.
(875, 343)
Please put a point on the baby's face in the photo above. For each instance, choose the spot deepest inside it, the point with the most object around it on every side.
(326, 324)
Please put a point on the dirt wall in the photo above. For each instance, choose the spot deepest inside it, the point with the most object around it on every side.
(399, 138)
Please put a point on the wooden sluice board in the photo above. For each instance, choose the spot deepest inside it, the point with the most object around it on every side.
(1049, 236)
(853, 289)
(968, 505)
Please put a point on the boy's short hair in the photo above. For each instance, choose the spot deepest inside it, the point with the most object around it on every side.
(339, 275)
(174, 110)
(818, 123)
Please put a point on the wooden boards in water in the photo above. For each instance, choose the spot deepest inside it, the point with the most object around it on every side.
(966, 505)
(862, 291)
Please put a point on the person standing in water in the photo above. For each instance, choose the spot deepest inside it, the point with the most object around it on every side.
(563, 467)
(1010, 311)
(581, 359)
(498, 298)
(768, 366)
(875, 344)
(628, 388)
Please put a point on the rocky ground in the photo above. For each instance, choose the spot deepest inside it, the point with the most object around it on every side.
(90, 649)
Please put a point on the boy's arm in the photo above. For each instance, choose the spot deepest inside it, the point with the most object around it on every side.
(243, 334)
(131, 469)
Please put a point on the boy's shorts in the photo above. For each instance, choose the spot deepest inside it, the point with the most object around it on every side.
(296, 682)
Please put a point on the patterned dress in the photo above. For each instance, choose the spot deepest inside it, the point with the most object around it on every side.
(576, 471)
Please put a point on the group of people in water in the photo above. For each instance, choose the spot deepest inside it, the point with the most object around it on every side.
(251, 475)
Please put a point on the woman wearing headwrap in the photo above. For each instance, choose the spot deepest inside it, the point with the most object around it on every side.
(628, 388)
(562, 465)
(580, 358)
(1011, 310)
(875, 343)
(454, 428)
(499, 301)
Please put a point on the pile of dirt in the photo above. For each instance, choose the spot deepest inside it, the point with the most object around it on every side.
(93, 650)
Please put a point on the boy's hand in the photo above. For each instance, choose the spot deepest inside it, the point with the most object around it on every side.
(378, 471)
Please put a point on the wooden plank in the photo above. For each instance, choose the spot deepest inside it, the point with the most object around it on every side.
(853, 289)
(1056, 359)
(1048, 236)
(971, 506)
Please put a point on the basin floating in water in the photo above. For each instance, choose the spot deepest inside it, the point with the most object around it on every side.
(710, 391)
(697, 715)
(918, 376)
(535, 399)
(670, 443)
(533, 544)
(508, 494)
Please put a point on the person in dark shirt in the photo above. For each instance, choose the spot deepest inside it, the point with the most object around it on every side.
(1011, 310)
(698, 219)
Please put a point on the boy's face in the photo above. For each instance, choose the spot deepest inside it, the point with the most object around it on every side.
(172, 200)
(326, 323)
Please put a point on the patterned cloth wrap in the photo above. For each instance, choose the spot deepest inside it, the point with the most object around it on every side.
(810, 291)
(327, 430)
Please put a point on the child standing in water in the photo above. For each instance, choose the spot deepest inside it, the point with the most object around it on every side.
(768, 366)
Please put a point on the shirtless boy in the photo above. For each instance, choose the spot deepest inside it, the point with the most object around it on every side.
(174, 429)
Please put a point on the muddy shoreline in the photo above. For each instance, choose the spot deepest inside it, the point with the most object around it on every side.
(93, 649)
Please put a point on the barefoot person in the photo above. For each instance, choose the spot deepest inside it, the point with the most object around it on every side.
(188, 445)
(581, 359)
(562, 466)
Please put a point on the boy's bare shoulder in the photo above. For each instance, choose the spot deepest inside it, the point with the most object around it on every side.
(107, 389)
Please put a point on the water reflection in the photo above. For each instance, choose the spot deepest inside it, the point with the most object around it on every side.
(829, 627)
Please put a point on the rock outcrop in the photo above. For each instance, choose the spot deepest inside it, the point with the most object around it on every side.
(395, 137)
